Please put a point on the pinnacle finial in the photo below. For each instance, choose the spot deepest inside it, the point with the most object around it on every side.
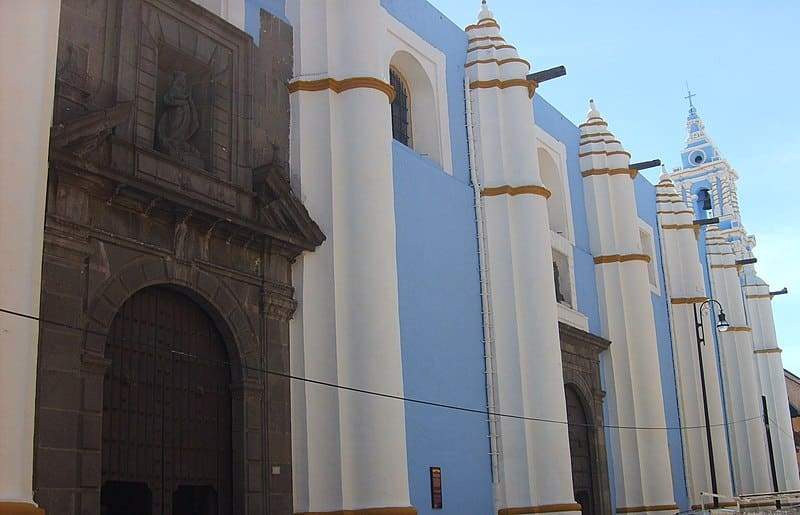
(664, 174)
(485, 12)
(593, 112)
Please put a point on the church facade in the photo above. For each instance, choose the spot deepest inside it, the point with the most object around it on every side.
(342, 257)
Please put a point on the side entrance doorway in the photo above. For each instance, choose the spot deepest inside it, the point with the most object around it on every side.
(580, 358)
(167, 435)
(580, 450)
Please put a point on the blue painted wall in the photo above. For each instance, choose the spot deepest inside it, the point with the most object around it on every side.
(439, 286)
(439, 292)
(646, 206)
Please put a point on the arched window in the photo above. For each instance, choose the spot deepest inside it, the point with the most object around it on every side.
(401, 114)
(704, 202)
(415, 115)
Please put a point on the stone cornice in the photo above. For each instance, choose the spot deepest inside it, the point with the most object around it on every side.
(568, 332)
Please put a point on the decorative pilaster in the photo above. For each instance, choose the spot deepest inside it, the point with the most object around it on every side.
(769, 365)
(641, 458)
(533, 457)
(740, 381)
(686, 290)
(28, 42)
(349, 449)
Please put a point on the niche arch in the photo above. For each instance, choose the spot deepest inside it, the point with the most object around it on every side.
(557, 204)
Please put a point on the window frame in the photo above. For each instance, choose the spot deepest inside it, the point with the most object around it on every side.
(393, 71)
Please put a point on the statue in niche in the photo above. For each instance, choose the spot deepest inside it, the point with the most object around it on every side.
(179, 121)
(179, 238)
(556, 275)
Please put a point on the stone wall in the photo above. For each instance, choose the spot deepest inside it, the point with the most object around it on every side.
(215, 218)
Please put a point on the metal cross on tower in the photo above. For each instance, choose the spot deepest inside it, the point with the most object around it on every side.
(690, 95)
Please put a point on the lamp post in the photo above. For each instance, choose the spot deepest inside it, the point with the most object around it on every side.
(722, 325)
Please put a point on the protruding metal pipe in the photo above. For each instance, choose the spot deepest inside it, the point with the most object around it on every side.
(549, 74)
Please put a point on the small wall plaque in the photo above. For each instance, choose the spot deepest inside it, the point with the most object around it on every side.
(436, 488)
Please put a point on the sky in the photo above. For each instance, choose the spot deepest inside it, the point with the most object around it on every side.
(634, 58)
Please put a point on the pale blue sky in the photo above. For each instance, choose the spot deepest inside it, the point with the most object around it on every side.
(633, 57)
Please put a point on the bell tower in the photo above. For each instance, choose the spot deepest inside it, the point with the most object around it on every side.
(707, 181)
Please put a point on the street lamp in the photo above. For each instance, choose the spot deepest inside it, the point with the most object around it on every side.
(722, 325)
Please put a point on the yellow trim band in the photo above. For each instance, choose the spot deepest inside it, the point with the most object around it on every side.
(366, 511)
(724, 266)
(739, 329)
(545, 508)
(678, 226)
(342, 85)
(591, 124)
(610, 171)
(621, 258)
(19, 508)
(605, 153)
(485, 38)
(487, 47)
(638, 509)
(688, 300)
(759, 296)
(488, 22)
(594, 134)
(726, 504)
(516, 190)
(499, 62)
(503, 84)
(680, 212)
(775, 350)
(601, 140)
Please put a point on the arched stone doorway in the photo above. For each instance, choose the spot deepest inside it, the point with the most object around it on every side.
(167, 404)
(580, 357)
(581, 453)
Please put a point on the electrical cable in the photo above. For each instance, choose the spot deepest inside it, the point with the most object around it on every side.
(776, 425)
(384, 395)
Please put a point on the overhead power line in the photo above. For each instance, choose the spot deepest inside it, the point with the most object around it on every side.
(411, 400)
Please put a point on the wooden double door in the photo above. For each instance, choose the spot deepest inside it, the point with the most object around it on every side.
(580, 448)
(167, 432)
